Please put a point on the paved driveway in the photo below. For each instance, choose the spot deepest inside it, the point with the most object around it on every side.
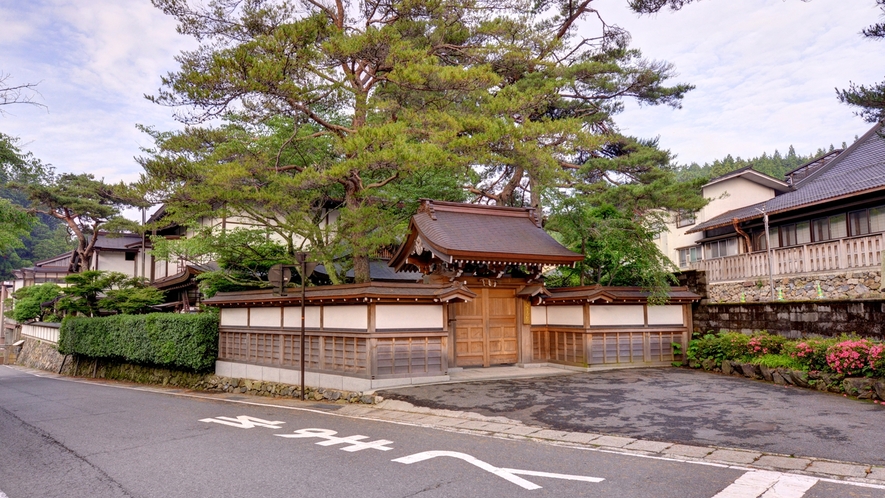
(677, 405)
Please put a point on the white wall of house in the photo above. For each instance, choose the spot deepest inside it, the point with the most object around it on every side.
(116, 261)
(724, 196)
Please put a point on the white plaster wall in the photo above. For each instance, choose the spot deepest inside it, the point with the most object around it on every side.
(539, 315)
(603, 315)
(665, 315)
(265, 317)
(732, 194)
(292, 316)
(724, 196)
(565, 315)
(398, 316)
(346, 317)
(116, 261)
(235, 317)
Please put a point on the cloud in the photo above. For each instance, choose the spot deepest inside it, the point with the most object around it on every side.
(94, 61)
(765, 74)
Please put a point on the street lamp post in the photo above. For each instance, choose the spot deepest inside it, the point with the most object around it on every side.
(282, 274)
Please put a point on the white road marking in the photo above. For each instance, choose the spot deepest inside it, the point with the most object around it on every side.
(767, 484)
(245, 422)
(504, 473)
(355, 442)
(3, 495)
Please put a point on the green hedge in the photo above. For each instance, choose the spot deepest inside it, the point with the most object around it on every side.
(162, 339)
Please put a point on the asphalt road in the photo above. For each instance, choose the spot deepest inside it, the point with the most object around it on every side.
(62, 438)
(677, 405)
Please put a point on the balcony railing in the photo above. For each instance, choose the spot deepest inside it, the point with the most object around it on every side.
(844, 254)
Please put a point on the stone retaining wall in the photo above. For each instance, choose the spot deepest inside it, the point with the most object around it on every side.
(44, 356)
(794, 319)
(853, 285)
(859, 387)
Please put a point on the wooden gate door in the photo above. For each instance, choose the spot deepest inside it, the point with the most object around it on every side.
(485, 329)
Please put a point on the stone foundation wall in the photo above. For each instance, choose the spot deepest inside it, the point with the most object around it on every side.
(794, 319)
(853, 285)
(859, 387)
(44, 356)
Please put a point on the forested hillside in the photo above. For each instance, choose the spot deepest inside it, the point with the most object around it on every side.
(776, 164)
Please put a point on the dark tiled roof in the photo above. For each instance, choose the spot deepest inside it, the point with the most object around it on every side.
(380, 271)
(569, 295)
(858, 169)
(116, 242)
(469, 232)
(350, 294)
(750, 174)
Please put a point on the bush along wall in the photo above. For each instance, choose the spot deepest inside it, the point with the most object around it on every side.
(850, 365)
(188, 342)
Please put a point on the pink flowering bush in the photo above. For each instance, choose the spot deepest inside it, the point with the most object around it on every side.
(760, 345)
(812, 353)
(851, 357)
(877, 360)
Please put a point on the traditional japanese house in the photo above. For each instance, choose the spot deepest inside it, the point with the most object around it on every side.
(499, 253)
(482, 303)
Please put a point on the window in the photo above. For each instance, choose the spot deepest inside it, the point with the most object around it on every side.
(689, 255)
(859, 223)
(833, 227)
(720, 248)
(795, 234)
(130, 256)
(684, 219)
(820, 230)
(759, 242)
(838, 227)
(877, 219)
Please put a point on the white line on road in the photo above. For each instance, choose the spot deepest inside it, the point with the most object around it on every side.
(765, 484)
(508, 474)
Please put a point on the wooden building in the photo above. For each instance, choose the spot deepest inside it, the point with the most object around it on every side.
(499, 253)
(482, 303)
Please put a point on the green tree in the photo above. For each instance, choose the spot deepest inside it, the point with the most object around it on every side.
(29, 300)
(83, 204)
(14, 226)
(506, 97)
(614, 224)
(91, 291)
(128, 295)
(46, 237)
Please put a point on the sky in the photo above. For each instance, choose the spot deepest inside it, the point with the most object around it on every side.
(765, 72)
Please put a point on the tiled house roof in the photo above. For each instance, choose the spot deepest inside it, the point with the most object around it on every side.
(456, 232)
(858, 169)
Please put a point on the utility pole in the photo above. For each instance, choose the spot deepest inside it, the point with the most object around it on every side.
(768, 247)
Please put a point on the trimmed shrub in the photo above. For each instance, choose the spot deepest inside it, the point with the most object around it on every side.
(169, 340)
(705, 348)
(736, 346)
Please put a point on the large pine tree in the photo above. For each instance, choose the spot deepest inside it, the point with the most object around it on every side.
(508, 99)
